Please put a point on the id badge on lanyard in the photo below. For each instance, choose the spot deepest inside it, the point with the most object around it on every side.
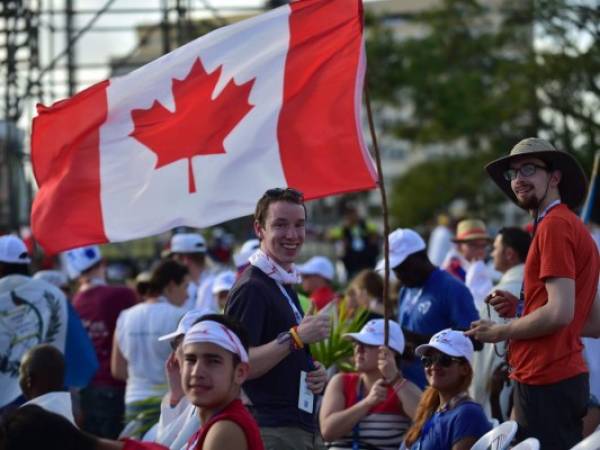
(297, 314)
(305, 397)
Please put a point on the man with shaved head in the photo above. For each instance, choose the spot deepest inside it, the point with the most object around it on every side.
(41, 377)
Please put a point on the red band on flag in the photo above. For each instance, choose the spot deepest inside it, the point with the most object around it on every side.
(317, 103)
(66, 164)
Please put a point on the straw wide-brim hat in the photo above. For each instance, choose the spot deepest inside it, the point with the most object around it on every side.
(573, 184)
(471, 230)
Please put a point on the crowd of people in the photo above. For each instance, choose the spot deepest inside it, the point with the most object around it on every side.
(199, 357)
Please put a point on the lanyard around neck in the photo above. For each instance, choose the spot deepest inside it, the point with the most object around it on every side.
(297, 314)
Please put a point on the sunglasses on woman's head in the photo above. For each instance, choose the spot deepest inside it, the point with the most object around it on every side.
(441, 359)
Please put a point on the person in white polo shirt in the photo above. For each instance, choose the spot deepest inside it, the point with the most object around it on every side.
(317, 275)
(41, 376)
(190, 250)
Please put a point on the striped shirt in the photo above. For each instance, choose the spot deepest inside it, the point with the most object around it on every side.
(382, 428)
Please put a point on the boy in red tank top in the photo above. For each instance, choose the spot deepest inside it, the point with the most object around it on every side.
(215, 364)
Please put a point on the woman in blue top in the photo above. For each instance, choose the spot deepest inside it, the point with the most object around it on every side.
(447, 418)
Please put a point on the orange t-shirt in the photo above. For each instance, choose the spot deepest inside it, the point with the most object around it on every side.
(561, 248)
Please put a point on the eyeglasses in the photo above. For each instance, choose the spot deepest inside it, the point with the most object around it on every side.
(526, 170)
(440, 359)
(282, 193)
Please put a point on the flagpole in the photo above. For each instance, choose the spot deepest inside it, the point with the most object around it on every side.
(588, 206)
(386, 226)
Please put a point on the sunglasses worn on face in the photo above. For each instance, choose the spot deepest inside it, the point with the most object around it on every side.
(282, 193)
(441, 359)
(526, 170)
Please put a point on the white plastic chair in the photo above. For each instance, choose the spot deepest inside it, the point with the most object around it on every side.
(498, 438)
(528, 444)
(592, 442)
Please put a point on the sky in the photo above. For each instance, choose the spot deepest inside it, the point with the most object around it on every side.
(97, 47)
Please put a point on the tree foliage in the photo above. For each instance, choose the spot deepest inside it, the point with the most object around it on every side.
(477, 81)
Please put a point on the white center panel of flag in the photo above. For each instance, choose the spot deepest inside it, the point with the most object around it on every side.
(136, 196)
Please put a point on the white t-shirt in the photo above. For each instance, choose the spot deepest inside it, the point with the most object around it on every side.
(177, 424)
(32, 312)
(138, 329)
(486, 360)
(440, 243)
(205, 299)
(196, 289)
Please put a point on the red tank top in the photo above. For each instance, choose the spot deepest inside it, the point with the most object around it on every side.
(390, 405)
(130, 444)
(235, 412)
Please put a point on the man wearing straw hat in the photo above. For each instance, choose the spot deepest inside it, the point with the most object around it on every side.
(560, 285)
(472, 241)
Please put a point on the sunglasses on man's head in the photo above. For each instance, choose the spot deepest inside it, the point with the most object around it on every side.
(526, 170)
(440, 359)
(287, 192)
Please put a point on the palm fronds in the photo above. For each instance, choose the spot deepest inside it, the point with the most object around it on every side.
(337, 351)
(142, 415)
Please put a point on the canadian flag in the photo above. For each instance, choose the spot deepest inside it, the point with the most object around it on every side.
(195, 137)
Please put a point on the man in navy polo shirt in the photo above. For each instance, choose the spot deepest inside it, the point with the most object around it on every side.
(283, 378)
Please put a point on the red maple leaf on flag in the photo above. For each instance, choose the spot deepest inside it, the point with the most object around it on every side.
(198, 125)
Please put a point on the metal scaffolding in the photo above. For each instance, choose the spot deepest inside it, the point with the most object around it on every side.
(41, 61)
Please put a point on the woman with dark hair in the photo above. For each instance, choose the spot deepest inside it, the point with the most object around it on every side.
(138, 357)
(447, 418)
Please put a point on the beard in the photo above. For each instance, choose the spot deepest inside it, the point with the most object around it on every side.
(529, 203)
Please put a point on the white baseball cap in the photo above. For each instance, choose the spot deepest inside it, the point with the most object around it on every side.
(188, 243)
(248, 248)
(223, 282)
(81, 259)
(216, 333)
(372, 333)
(403, 242)
(317, 265)
(13, 250)
(185, 323)
(380, 269)
(451, 342)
